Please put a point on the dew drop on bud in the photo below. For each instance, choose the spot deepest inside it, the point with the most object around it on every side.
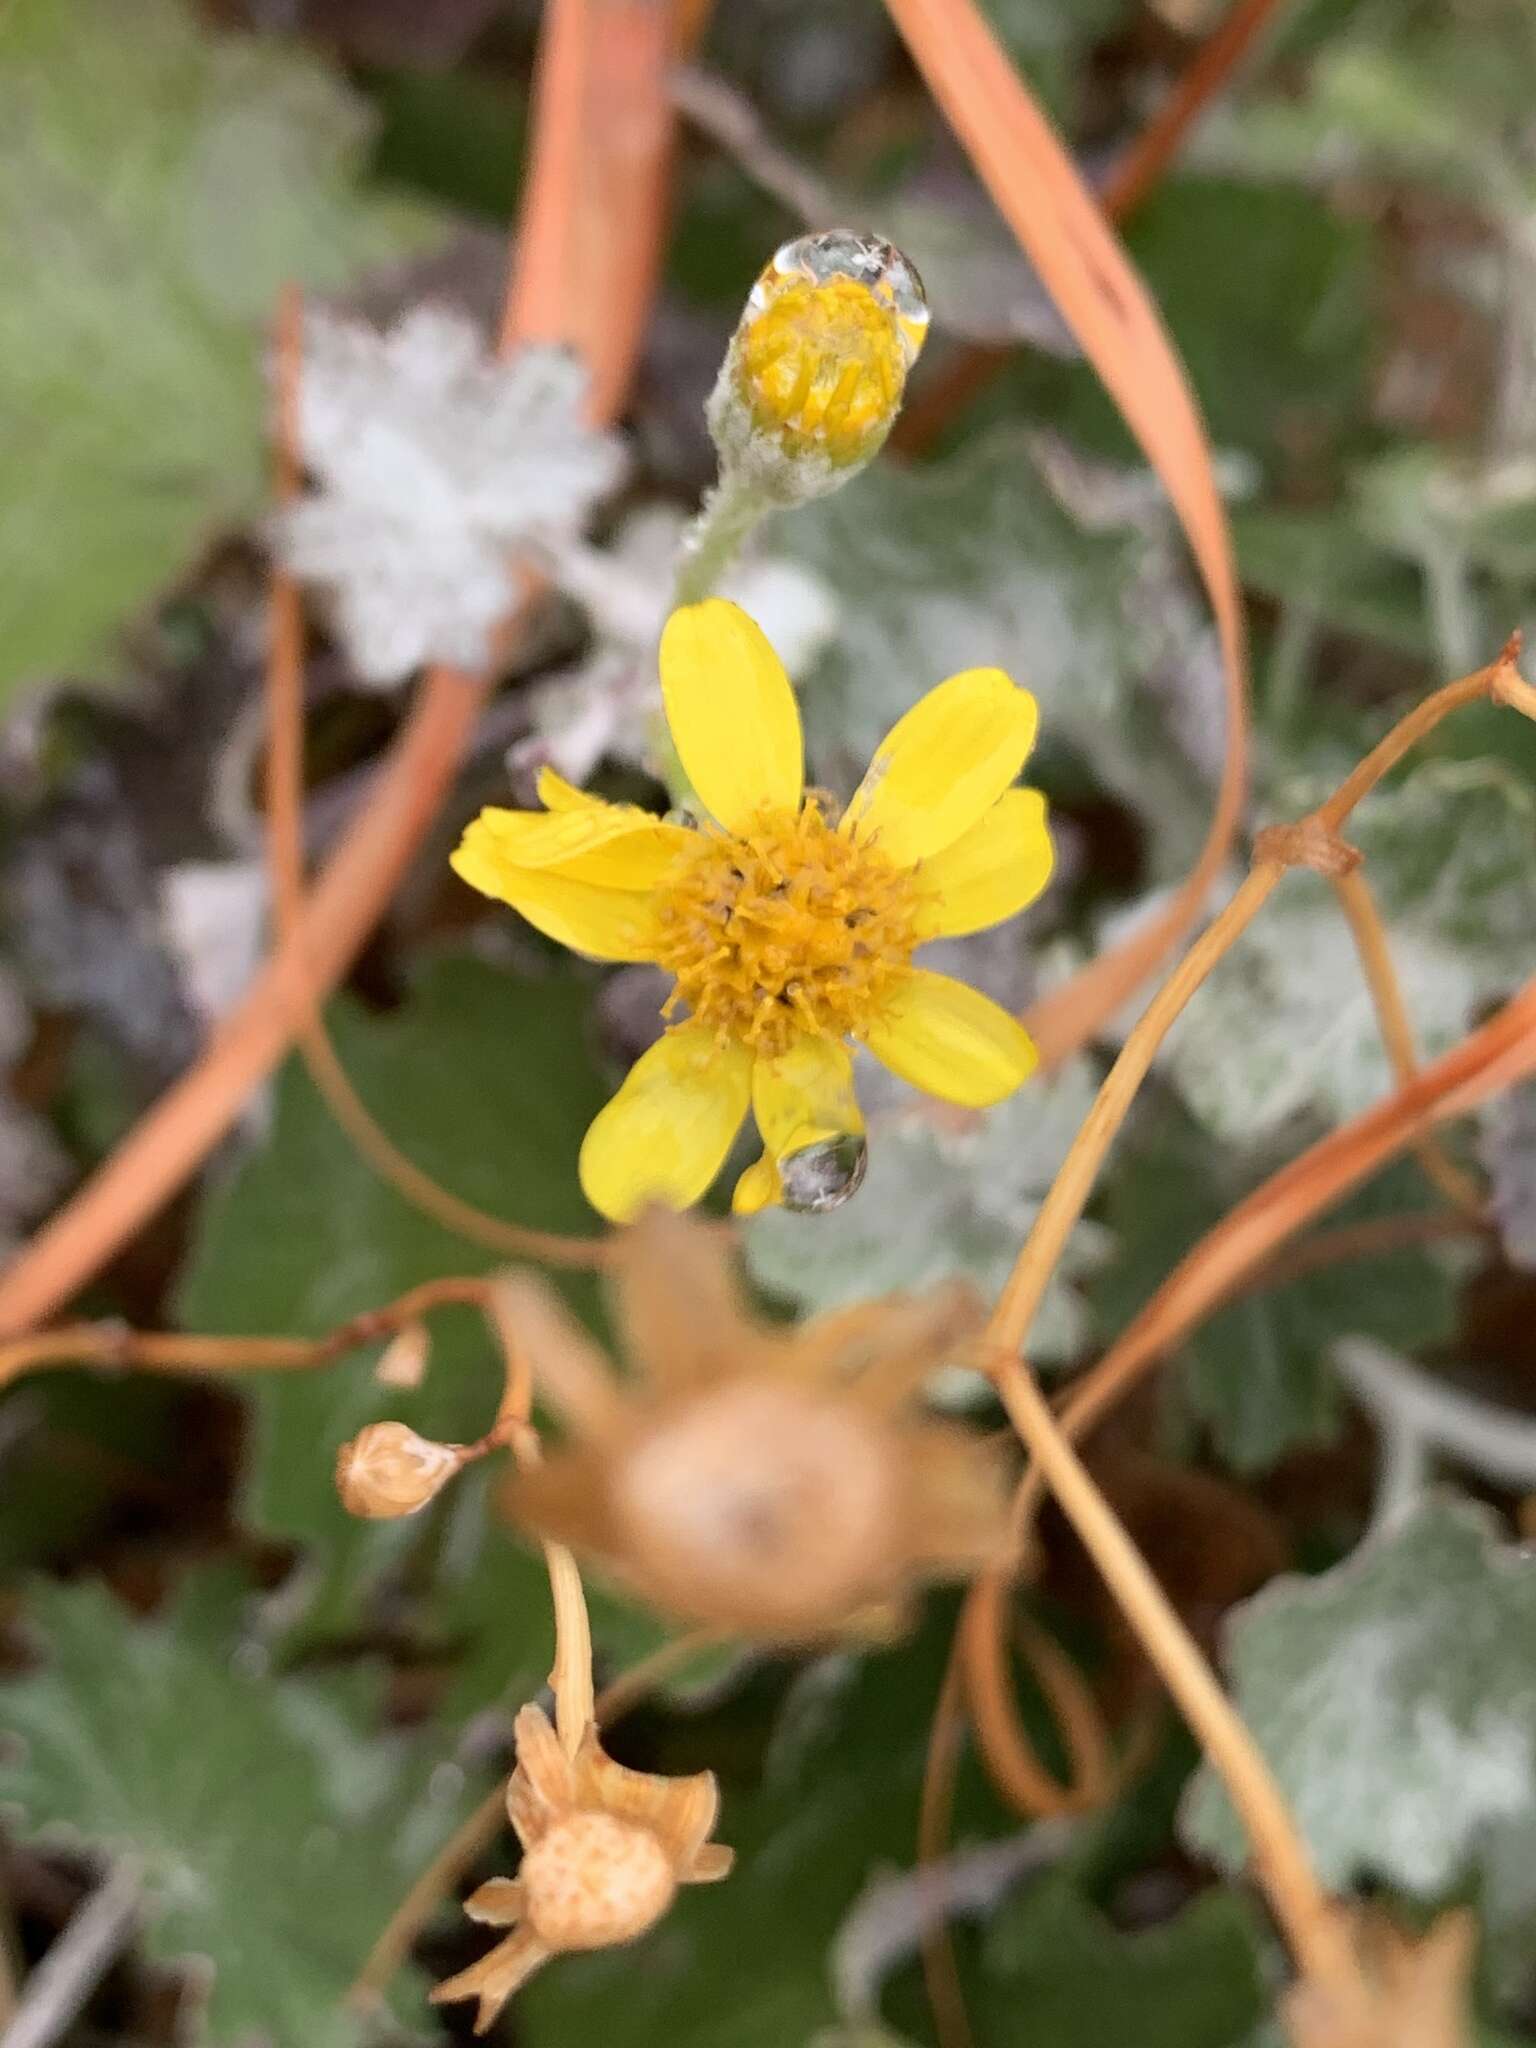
(878, 265)
(822, 1176)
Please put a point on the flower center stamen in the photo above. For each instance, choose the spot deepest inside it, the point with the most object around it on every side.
(787, 931)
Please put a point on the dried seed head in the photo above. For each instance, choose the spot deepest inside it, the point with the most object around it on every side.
(759, 1504)
(593, 1881)
(388, 1470)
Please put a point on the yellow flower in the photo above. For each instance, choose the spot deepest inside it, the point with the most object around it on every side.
(789, 932)
(821, 356)
(604, 1851)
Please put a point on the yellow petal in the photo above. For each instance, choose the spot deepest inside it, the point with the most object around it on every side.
(760, 1187)
(664, 1136)
(733, 715)
(609, 924)
(556, 794)
(805, 1096)
(943, 765)
(990, 872)
(951, 1041)
(617, 845)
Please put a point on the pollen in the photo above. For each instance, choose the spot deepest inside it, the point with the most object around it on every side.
(823, 367)
(788, 931)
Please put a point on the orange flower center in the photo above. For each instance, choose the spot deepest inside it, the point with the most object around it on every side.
(593, 1880)
(789, 930)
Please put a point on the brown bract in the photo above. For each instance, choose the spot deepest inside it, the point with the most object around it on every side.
(604, 1851)
(766, 1482)
(1411, 1990)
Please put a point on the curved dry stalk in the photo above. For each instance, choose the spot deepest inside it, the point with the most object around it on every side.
(1059, 225)
(1282, 1865)
(1011, 1761)
(112, 1344)
(1358, 903)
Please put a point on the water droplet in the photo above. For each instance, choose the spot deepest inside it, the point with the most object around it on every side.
(880, 266)
(822, 1176)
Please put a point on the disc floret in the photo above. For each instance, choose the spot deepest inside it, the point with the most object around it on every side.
(788, 929)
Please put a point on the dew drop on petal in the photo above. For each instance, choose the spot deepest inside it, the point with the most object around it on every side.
(823, 1176)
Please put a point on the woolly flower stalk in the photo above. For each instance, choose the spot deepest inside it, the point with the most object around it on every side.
(768, 1482)
(604, 1851)
(434, 466)
(789, 931)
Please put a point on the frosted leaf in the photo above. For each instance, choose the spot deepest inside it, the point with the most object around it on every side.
(609, 703)
(214, 913)
(975, 560)
(1509, 1155)
(1395, 1698)
(434, 466)
(1286, 1023)
(937, 1204)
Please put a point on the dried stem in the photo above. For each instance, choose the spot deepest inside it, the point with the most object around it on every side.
(1299, 1903)
(1139, 169)
(57, 1990)
(1059, 225)
(1281, 1864)
(112, 1344)
(1370, 936)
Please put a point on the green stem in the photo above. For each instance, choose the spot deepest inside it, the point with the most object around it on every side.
(729, 515)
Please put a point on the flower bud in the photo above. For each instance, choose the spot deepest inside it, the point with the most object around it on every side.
(816, 370)
(388, 1470)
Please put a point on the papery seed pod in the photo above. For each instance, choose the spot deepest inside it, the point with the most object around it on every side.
(388, 1470)
(817, 367)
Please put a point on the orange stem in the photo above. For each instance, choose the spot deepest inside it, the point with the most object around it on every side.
(1059, 225)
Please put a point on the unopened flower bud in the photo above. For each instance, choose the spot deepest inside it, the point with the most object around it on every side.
(816, 370)
(388, 1470)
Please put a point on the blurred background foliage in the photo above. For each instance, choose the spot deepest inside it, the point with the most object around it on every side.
(271, 1716)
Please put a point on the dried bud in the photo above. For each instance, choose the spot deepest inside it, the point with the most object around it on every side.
(404, 1360)
(388, 1470)
(604, 1851)
(816, 371)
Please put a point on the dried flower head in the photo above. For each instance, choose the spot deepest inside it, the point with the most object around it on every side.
(765, 1481)
(604, 1851)
(388, 1470)
(434, 466)
(789, 930)
(1409, 1992)
(816, 370)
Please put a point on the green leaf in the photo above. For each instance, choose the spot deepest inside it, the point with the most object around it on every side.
(1395, 1698)
(158, 183)
(1063, 1977)
(274, 1827)
(484, 1082)
(936, 1205)
(1256, 1375)
(972, 561)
